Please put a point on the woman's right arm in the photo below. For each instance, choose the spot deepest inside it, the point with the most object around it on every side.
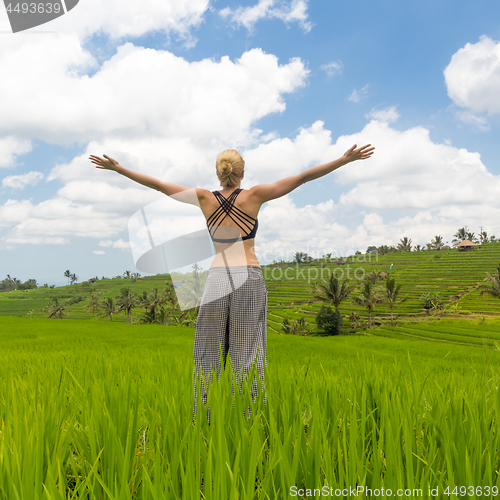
(176, 191)
(266, 192)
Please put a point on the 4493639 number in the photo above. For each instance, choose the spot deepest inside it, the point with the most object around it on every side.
(34, 7)
(478, 491)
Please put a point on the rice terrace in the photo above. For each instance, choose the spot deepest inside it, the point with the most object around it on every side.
(97, 401)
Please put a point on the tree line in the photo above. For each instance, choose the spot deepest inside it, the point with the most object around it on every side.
(161, 305)
(436, 243)
(10, 283)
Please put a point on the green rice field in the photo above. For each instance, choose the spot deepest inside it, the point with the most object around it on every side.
(103, 410)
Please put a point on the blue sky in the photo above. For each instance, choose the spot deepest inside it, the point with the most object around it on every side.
(164, 87)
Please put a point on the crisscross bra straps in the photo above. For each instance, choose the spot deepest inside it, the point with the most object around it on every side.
(246, 223)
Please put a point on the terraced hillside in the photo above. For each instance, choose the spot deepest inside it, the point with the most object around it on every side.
(454, 275)
(464, 332)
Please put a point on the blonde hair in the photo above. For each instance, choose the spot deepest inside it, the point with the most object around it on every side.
(229, 167)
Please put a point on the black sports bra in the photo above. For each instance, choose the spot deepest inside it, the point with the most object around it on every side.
(243, 221)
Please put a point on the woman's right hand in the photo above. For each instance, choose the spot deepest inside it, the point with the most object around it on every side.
(354, 154)
(108, 164)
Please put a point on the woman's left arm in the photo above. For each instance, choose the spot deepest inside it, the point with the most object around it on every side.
(168, 188)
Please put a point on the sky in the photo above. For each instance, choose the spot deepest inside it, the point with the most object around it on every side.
(164, 86)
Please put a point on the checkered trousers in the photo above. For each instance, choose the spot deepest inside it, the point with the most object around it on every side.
(232, 317)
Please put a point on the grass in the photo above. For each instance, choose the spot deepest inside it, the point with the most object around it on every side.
(104, 410)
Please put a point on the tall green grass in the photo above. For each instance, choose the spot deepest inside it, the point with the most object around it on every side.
(106, 413)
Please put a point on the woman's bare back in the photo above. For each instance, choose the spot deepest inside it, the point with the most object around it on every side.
(239, 253)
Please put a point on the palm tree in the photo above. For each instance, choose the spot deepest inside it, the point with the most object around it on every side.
(300, 257)
(354, 319)
(483, 237)
(493, 288)
(460, 235)
(94, 304)
(127, 274)
(431, 300)
(417, 248)
(333, 291)
(368, 298)
(148, 317)
(126, 302)
(383, 249)
(404, 245)
(56, 309)
(171, 300)
(73, 278)
(392, 292)
(191, 293)
(294, 327)
(471, 237)
(437, 243)
(67, 274)
(187, 318)
(162, 317)
(109, 308)
(154, 300)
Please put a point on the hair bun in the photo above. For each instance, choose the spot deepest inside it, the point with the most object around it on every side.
(225, 167)
(229, 164)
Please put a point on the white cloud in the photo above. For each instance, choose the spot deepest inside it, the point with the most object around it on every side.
(282, 157)
(36, 240)
(473, 76)
(387, 115)
(21, 181)
(288, 12)
(285, 229)
(357, 95)
(473, 79)
(173, 131)
(333, 68)
(478, 122)
(160, 95)
(55, 220)
(124, 245)
(11, 146)
(121, 18)
(99, 252)
(411, 187)
(14, 211)
(409, 171)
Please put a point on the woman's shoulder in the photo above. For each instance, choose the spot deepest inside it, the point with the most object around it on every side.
(203, 193)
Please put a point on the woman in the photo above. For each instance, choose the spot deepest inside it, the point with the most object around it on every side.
(233, 313)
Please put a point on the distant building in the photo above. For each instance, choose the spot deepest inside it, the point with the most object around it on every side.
(465, 246)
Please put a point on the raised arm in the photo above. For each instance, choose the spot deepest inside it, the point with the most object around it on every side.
(168, 188)
(266, 192)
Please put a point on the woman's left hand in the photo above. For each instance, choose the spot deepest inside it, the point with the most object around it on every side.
(108, 164)
(362, 153)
